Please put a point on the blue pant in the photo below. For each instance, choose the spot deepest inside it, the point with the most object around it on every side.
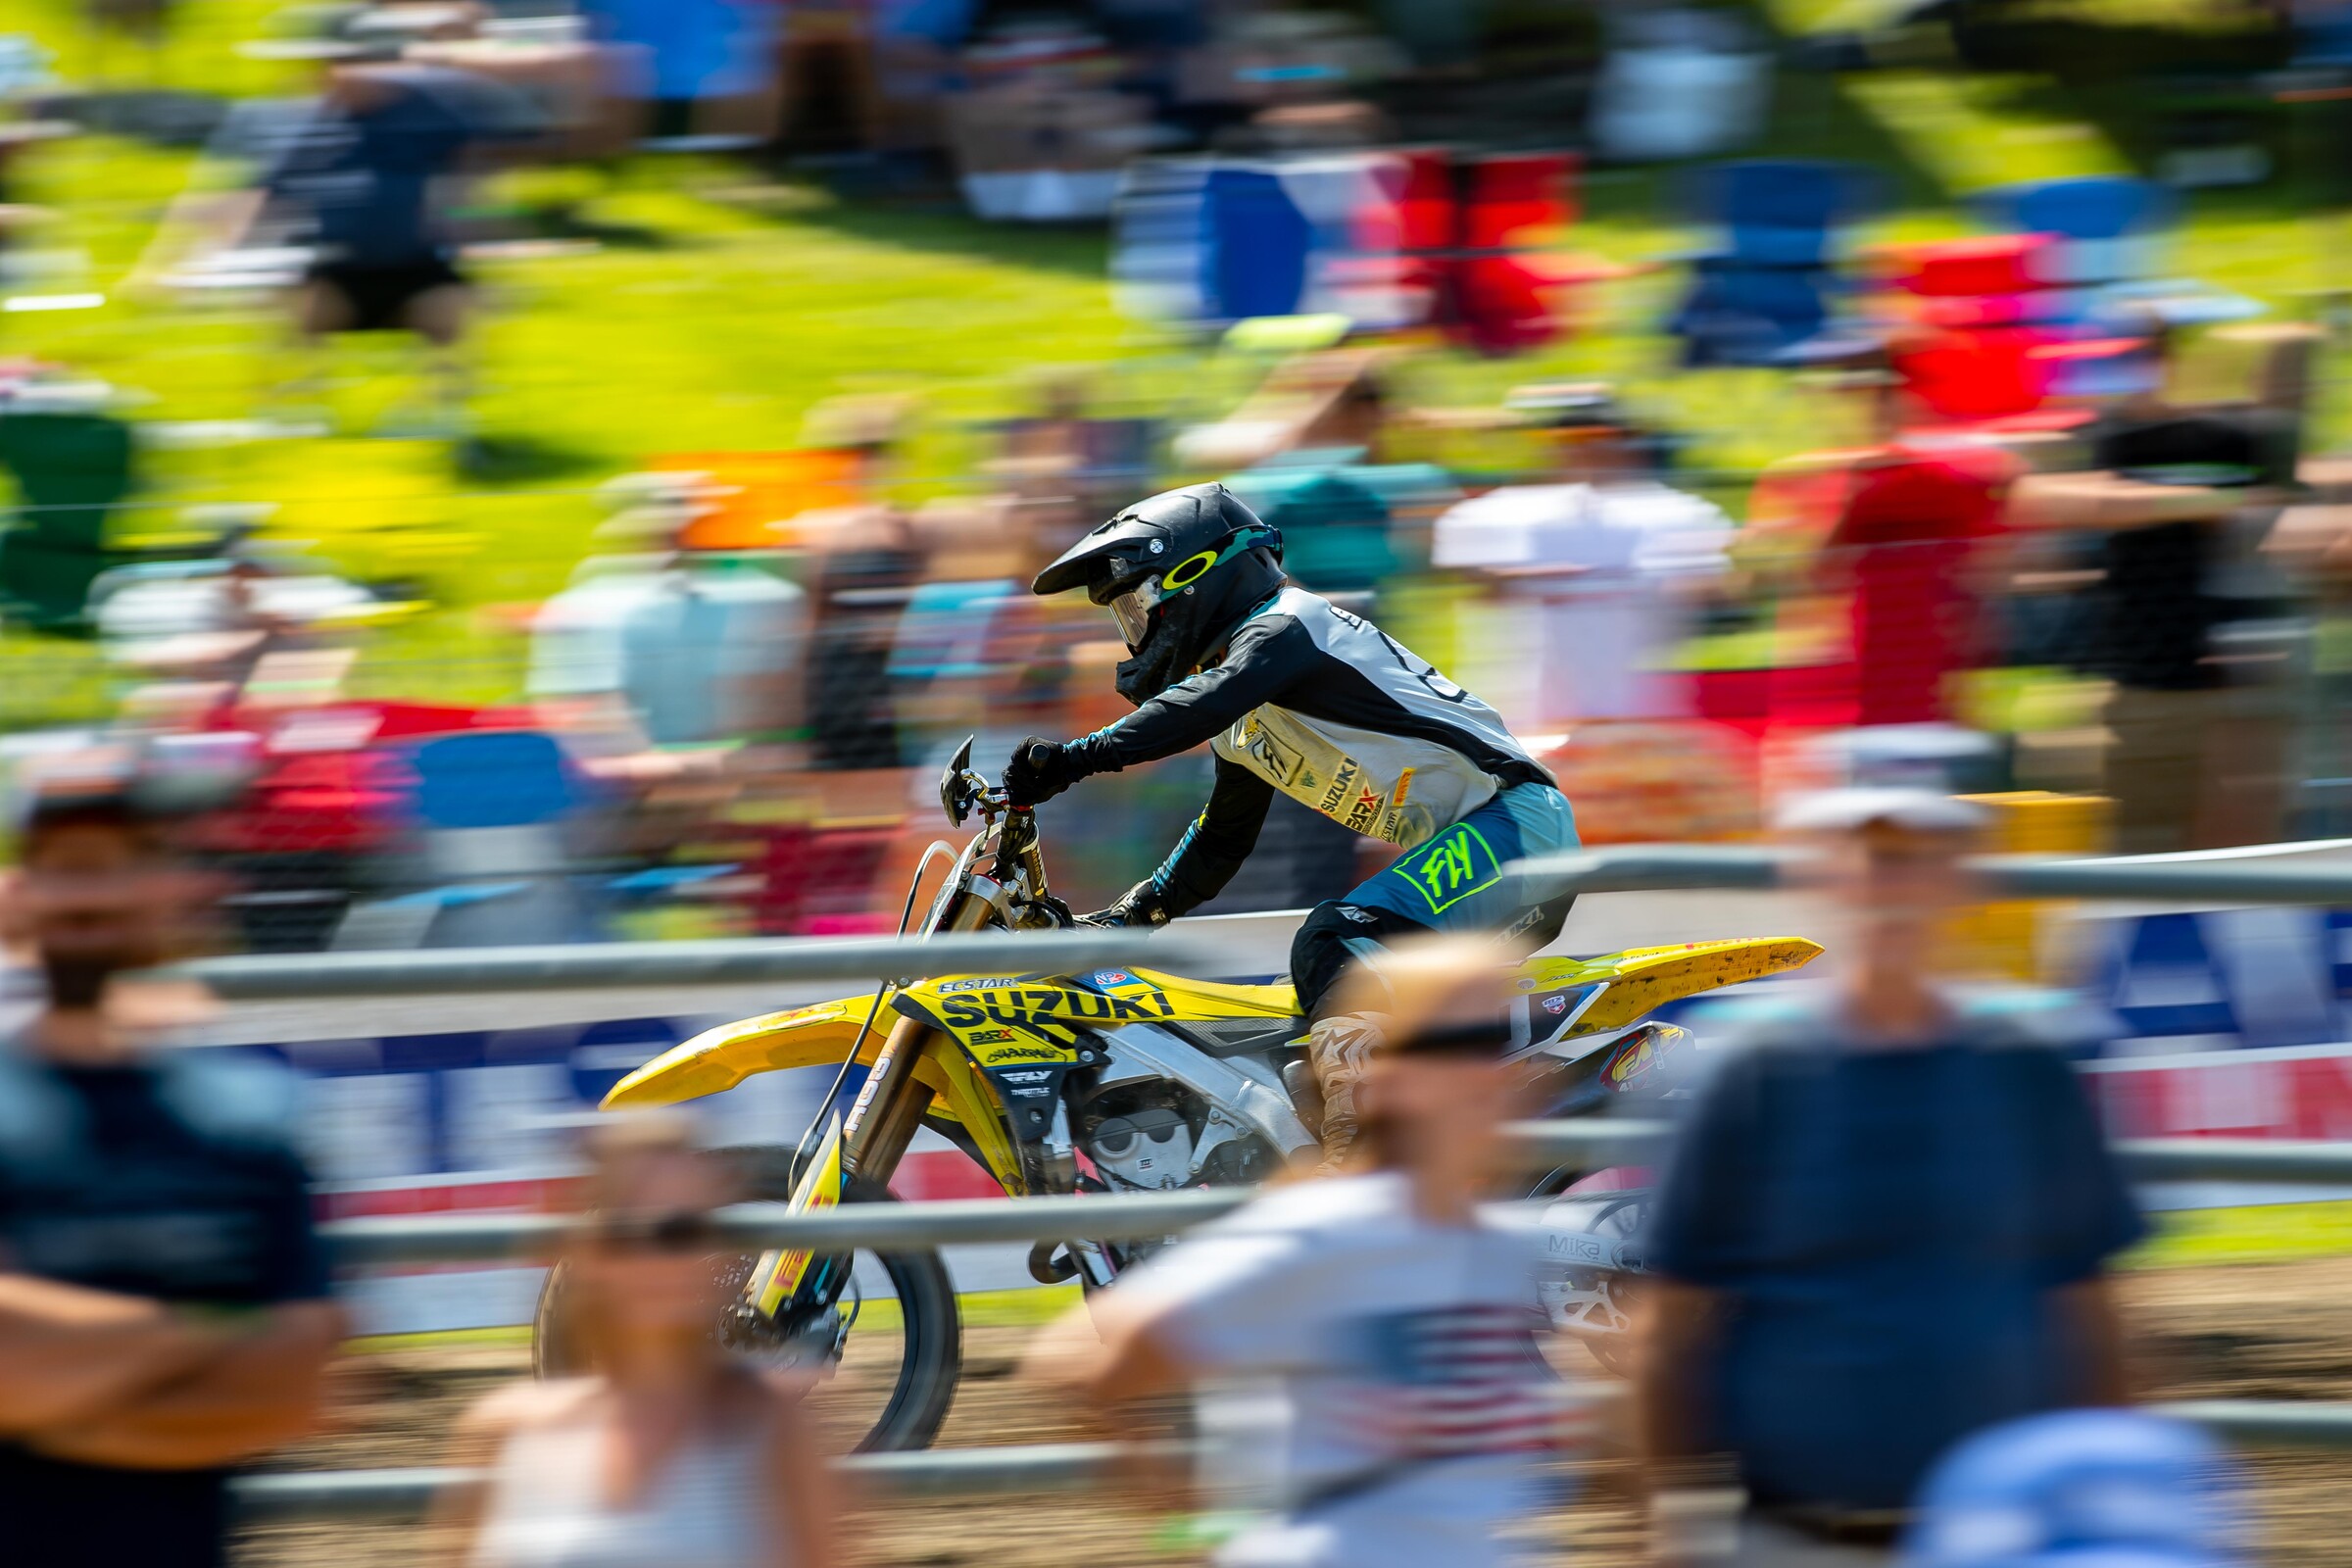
(1453, 882)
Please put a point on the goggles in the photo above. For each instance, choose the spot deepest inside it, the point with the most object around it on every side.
(1133, 615)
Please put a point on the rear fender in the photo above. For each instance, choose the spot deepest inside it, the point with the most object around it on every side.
(816, 1036)
(1638, 981)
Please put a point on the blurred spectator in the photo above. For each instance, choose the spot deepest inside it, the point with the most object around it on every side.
(673, 1453)
(2197, 718)
(1396, 1323)
(164, 1309)
(868, 560)
(699, 647)
(704, 67)
(1914, 547)
(360, 173)
(1596, 575)
(2115, 1487)
(1885, 1224)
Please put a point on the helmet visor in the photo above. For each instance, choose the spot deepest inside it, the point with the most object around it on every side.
(1133, 615)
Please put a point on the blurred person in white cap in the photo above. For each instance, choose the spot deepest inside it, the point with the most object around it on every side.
(165, 1312)
(1394, 1328)
(672, 1451)
(1885, 1222)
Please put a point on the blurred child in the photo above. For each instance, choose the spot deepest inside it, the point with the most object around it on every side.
(673, 1453)
(1395, 1323)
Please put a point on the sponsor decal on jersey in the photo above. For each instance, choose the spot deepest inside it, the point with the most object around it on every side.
(1388, 820)
(1364, 809)
(1281, 762)
(1343, 780)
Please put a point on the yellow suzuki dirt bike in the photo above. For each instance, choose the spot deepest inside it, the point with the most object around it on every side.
(1113, 1080)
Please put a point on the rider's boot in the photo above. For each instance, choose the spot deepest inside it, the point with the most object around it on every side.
(1339, 1049)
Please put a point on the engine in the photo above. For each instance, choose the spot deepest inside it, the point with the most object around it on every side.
(1155, 1136)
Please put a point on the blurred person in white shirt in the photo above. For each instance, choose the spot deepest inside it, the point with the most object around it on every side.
(1388, 1327)
(1595, 574)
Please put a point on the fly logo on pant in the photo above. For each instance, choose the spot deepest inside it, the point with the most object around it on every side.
(1448, 868)
(1451, 867)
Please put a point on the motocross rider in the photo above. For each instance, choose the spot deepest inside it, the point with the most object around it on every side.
(1295, 694)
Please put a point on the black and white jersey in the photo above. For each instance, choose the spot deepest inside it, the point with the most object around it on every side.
(1333, 713)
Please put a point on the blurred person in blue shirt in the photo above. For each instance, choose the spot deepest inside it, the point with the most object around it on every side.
(360, 176)
(2082, 1488)
(1385, 1330)
(1885, 1223)
(164, 1307)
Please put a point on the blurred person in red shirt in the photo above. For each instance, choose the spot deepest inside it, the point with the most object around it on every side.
(164, 1307)
(1913, 545)
(673, 1452)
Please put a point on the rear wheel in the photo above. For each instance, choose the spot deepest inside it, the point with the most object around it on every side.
(1587, 1301)
(879, 1366)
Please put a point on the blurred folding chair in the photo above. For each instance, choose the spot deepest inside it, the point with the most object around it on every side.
(1512, 292)
(1780, 211)
(751, 497)
(72, 468)
(2106, 225)
(2008, 335)
(490, 804)
(1762, 295)
(1258, 245)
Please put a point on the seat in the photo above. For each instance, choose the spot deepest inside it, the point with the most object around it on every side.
(1209, 1000)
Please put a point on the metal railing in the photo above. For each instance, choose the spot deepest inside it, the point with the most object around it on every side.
(1630, 869)
(1678, 867)
(277, 1497)
(1076, 1466)
(734, 962)
(1140, 1216)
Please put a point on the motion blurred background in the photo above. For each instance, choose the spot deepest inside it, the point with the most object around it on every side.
(575, 470)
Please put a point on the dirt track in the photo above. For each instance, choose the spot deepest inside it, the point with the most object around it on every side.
(2270, 1332)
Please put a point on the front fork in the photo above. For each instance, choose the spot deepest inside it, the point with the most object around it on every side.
(866, 1143)
(881, 1121)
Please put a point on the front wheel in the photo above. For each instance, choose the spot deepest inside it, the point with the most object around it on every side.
(879, 1366)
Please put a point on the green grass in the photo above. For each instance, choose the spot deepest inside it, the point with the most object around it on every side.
(2273, 1233)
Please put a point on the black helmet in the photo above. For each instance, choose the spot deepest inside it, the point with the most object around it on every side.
(1180, 570)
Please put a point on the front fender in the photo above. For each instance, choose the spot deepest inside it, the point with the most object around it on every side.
(720, 1059)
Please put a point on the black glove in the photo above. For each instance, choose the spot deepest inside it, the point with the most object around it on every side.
(1141, 906)
(1040, 770)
